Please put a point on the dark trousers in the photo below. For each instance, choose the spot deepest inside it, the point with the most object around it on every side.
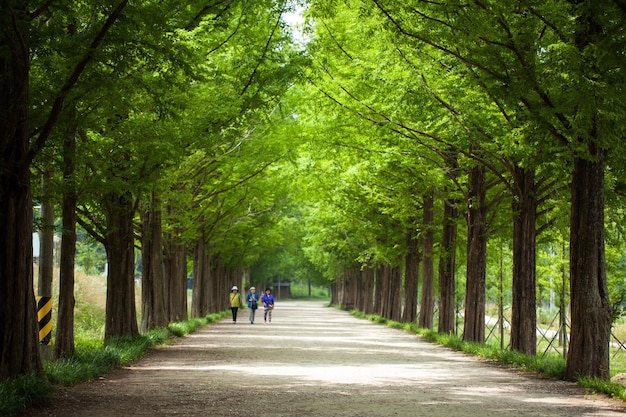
(234, 310)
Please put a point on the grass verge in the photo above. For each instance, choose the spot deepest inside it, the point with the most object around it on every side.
(16, 394)
(552, 365)
(93, 358)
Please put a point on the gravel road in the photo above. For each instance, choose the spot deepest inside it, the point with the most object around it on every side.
(318, 361)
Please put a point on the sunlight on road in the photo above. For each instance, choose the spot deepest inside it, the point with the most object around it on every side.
(321, 357)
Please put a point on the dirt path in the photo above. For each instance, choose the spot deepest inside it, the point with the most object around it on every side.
(317, 361)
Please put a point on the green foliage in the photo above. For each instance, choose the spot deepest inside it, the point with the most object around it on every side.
(499, 271)
(300, 164)
(281, 255)
(301, 290)
(90, 257)
(89, 313)
(16, 394)
(616, 274)
(182, 328)
(612, 389)
(93, 357)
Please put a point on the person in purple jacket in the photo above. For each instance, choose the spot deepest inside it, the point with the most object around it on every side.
(268, 305)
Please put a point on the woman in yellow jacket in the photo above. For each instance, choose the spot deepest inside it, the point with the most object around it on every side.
(235, 302)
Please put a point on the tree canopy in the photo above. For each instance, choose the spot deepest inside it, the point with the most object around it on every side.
(376, 136)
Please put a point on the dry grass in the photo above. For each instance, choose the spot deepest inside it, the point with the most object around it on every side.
(88, 289)
(90, 295)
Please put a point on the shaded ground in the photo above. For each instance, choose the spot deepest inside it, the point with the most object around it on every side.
(317, 361)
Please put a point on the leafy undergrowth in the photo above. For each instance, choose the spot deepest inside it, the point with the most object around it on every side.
(92, 358)
(552, 365)
(16, 394)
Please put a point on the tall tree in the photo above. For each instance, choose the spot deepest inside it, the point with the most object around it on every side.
(558, 83)
(64, 341)
(590, 306)
(19, 342)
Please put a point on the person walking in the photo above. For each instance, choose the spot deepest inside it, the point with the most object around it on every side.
(253, 300)
(235, 302)
(268, 305)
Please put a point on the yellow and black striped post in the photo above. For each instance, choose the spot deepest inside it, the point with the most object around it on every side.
(44, 315)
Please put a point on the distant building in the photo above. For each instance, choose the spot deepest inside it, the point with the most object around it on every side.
(282, 289)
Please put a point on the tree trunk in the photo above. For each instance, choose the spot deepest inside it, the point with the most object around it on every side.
(121, 312)
(341, 289)
(395, 293)
(474, 323)
(447, 268)
(334, 293)
(359, 295)
(175, 261)
(590, 308)
(46, 237)
(349, 288)
(223, 279)
(153, 294)
(411, 277)
(378, 290)
(368, 289)
(523, 311)
(345, 285)
(219, 283)
(427, 308)
(64, 344)
(201, 273)
(19, 341)
(386, 307)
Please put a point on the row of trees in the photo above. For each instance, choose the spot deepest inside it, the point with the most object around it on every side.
(507, 115)
(150, 125)
(199, 131)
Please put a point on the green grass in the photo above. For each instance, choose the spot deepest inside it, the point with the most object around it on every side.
(181, 328)
(301, 291)
(618, 362)
(92, 358)
(550, 365)
(16, 394)
(609, 388)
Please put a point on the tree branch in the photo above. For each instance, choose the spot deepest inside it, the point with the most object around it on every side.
(71, 81)
(435, 45)
(262, 58)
